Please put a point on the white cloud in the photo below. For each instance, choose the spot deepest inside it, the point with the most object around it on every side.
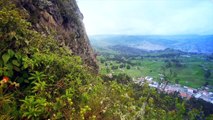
(147, 16)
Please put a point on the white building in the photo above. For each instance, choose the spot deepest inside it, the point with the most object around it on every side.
(198, 95)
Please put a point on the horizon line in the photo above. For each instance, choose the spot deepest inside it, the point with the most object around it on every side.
(152, 34)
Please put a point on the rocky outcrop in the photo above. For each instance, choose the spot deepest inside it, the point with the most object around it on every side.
(63, 19)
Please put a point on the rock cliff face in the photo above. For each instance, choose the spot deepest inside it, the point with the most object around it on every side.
(64, 19)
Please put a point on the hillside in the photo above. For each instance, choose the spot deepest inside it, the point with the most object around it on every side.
(63, 19)
(48, 72)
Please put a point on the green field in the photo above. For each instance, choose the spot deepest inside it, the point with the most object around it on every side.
(193, 70)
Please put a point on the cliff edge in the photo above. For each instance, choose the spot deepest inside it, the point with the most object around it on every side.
(63, 19)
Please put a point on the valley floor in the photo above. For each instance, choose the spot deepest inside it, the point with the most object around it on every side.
(193, 70)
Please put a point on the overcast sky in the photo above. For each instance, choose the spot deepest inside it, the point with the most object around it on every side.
(147, 17)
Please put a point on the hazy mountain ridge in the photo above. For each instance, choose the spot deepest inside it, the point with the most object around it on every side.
(186, 43)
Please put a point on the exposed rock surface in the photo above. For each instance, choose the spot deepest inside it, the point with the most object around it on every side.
(63, 18)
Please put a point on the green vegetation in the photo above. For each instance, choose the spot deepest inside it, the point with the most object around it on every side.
(42, 80)
(193, 70)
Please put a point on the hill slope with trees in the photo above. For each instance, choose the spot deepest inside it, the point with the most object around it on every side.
(42, 79)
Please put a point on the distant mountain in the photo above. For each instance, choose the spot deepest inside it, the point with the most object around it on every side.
(186, 43)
